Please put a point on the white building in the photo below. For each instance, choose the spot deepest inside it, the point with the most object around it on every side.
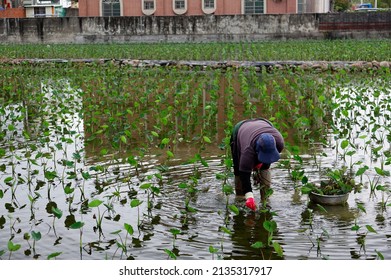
(46, 8)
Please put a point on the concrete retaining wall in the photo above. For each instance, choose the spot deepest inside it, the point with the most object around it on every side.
(195, 28)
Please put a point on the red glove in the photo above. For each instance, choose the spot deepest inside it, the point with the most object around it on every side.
(250, 202)
(258, 166)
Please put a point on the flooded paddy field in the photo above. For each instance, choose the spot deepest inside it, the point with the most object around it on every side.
(100, 161)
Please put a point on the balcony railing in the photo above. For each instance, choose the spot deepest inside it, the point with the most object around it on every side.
(27, 3)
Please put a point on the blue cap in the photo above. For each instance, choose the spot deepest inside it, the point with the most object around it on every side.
(266, 149)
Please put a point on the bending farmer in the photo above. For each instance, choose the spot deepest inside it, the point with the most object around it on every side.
(255, 145)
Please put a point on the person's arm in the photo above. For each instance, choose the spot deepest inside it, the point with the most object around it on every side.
(245, 179)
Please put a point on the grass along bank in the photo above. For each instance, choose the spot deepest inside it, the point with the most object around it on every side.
(295, 50)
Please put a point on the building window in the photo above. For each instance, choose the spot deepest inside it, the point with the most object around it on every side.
(149, 5)
(254, 6)
(301, 6)
(179, 4)
(39, 12)
(111, 8)
(209, 4)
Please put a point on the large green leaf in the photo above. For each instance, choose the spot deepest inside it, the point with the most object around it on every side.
(76, 225)
(13, 247)
(54, 255)
(129, 228)
(36, 235)
(95, 203)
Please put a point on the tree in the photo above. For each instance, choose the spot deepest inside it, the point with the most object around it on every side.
(384, 4)
(341, 5)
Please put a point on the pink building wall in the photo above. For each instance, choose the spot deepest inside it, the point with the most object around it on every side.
(224, 7)
(89, 8)
(129, 7)
(164, 7)
(194, 7)
(282, 7)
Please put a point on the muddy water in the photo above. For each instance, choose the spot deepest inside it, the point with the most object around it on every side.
(325, 235)
(211, 231)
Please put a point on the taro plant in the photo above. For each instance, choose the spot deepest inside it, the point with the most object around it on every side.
(362, 233)
(129, 231)
(381, 173)
(53, 255)
(224, 230)
(36, 235)
(57, 213)
(151, 191)
(270, 226)
(338, 181)
(190, 191)
(99, 217)
(386, 196)
(309, 214)
(129, 109)
(78, 225)
(12, 247)
(293, 163)
(213, 251)
(172, 254)
(136, 203)
(319, 239)
(174, 232)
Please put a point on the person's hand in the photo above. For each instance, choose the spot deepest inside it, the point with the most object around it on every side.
(250, 202)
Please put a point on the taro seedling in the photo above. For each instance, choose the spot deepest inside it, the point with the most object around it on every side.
(224, 230)
(151, 192)
(270, 227)
(53, 255)
(213, 251)
(136, 203)
(174, 232)
(319, 237)
(123, 113)
(36, 235)
(78, 225)
(380, 256)
(12, 247)
(362, 234)
(99, 218)
(170, 254)
(57, 213)
(129, 231)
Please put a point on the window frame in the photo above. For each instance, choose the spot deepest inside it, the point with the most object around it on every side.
(252, 9)
(180, 10)
(208, 10)
(112, 2)
(38, 11)
(148, 12)
(181, 6)
(301, 4)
